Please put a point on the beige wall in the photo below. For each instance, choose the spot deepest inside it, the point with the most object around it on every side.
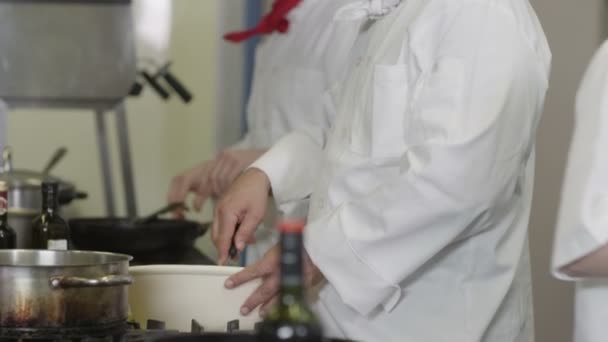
(574, 30)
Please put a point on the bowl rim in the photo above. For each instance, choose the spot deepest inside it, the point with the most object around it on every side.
(206, 270)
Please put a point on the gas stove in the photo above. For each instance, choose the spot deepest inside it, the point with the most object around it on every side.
(131, 332)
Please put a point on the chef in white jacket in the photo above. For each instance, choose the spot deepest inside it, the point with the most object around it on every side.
(292, 72)
(581, 244)
(421, 195)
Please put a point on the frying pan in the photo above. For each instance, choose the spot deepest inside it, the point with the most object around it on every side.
(128, 236)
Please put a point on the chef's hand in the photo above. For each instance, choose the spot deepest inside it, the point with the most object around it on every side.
(195, 180)
(268, 268)
(243, 204)
(228, 165)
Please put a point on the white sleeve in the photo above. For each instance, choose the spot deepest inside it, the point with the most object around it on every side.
(478, 111)
(292, 165)
(582, 225)
(243, 144)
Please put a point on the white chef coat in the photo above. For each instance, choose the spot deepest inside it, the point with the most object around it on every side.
(583, 218)
(292, 72)
(421, 195)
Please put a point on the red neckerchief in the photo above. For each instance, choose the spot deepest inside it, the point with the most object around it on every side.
(276, 20)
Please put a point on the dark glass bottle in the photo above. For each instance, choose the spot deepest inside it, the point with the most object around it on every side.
(8, 238)
(49, 230)
(291, 320)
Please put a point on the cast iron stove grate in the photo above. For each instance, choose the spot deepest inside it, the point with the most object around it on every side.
(131, 332)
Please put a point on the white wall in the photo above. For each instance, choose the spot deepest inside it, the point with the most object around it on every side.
(574, 30)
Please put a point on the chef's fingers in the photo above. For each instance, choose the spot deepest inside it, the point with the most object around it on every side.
(175, 188)
(252, 240)
(230, 177)
(179, 214)
(202, 192)
(246, 230)
(203, 186)
(171, 195)
(199, 201)
(264, 293)
(215, 174)
(246, 275)
(227, 222)
(308, 267)
(262, 268)
(227, 177)
(222, 175)
(214, 232)
(268, 306)
(183, 183)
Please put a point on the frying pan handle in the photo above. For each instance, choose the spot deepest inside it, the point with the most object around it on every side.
(78, 282)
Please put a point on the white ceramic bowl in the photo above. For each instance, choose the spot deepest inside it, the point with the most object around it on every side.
(176, 294)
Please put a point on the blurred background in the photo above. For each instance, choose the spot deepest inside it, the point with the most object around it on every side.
(167, 137)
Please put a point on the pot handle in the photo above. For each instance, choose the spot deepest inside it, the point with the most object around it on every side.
(78, 282)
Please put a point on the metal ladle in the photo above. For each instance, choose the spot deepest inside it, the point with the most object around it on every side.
(55, 159)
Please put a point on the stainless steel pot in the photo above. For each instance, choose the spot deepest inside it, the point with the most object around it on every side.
(25, 197)
(63, 290)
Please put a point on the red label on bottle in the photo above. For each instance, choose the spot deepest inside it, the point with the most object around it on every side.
(3, 202)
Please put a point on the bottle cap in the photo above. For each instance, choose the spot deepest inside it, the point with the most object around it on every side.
(292, 226)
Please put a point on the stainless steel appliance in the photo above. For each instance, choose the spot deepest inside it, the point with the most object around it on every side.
(73, 54)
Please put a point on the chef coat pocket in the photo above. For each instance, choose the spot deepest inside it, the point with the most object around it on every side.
(389, 111)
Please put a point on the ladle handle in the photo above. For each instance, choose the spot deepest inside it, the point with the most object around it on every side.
(55, 159)
(7, 159)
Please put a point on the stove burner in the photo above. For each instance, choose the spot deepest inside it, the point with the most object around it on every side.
(112, 329)
(196, 327)
(153, 324)
(122, 332)
(232, 326)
